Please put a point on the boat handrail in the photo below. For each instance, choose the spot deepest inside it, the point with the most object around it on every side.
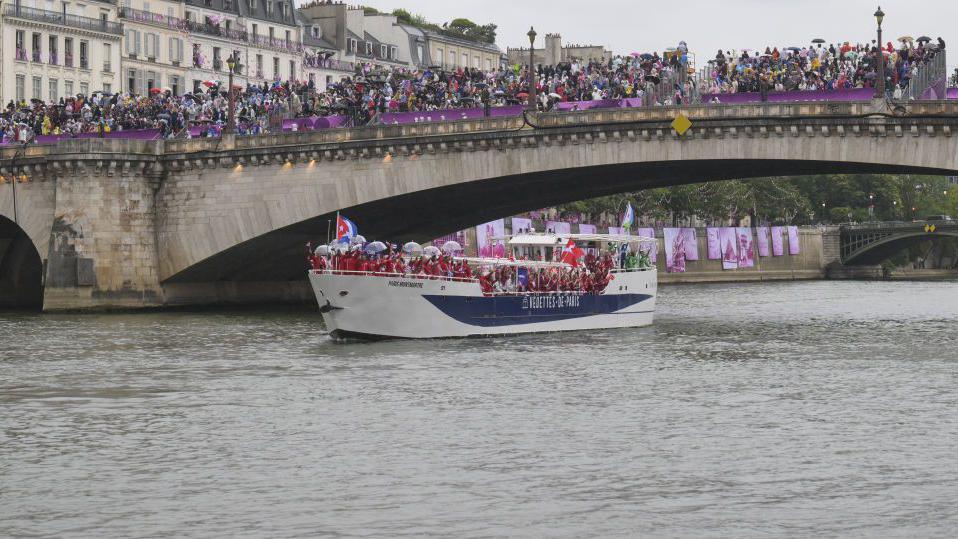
(420, 276)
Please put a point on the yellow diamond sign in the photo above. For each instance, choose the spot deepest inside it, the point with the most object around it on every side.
(681, 124)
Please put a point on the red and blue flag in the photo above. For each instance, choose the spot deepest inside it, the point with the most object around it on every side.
(345, 229)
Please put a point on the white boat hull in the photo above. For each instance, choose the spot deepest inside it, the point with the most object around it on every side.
(374, 306)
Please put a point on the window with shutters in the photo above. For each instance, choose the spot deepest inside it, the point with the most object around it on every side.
(84, 89)
(107, 55)
(292, 69)
(276, 68)
(131, 80)
(176, 50)
(53, 85)
(68, 51)
(382, 51)
(21, 81)
(68, 88)
(150, 80)
(53, 49)
(175, 84)
(107, 88)
(37, 87)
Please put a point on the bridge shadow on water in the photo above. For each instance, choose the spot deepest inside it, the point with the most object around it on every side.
(21, 269)
(423, 215)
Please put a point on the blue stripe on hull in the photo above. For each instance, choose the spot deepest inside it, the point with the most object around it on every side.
(531, 309)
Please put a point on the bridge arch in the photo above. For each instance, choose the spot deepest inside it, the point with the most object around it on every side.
(881, 249)
(21, 269)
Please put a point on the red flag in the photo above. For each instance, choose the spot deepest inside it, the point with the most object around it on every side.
(571, 254)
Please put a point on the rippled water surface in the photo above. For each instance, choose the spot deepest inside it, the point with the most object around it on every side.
(788, 409)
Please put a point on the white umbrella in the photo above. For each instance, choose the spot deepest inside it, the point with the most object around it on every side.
(322, 250)
(431, 251)
(412, 247)
(375, 247)
(358, 240)
(451, 247)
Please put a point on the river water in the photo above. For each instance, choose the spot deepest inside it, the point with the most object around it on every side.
(824, 408)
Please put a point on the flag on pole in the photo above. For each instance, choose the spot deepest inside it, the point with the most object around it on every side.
(629, 218)
(345, 229)
(571, 254)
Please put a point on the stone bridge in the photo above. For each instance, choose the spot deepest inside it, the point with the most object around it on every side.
(139, 223)
(871, 243)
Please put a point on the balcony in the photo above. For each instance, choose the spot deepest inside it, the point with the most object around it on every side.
(59, 19)
(148, 17)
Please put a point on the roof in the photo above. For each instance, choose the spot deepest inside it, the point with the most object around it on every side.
(490, 47)
(260, 12)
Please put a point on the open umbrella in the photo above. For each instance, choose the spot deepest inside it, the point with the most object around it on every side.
(906, 39)
(209, 83)
(431, 251)
(924, 39)
(794, 49)
(357, 240)
(451, 247)
(554, 95)
(412, 247)
(522, 95)
(647, 56)
(155, 90)
(637, 54)
(818, 40)
(375, 247)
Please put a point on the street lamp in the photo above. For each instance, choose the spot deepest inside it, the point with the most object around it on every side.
(532, 73)
(231, 121)
(880, 16)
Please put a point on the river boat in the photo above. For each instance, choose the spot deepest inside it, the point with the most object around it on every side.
(376, 305)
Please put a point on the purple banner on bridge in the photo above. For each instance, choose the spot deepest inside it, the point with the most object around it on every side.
(448, 115)
(712, 242)
(763, 244)
(778, 248)
(649, 247)
(798, 96)
(729, 245)
(599, 104)
(794, 243)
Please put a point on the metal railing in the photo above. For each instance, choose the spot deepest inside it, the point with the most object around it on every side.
(57, 18)
(932, 75)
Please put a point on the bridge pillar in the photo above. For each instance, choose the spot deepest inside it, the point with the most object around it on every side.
(102, 250)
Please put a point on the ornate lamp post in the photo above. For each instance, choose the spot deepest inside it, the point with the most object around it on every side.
(880, 16)
(532, 72)
(231, 121)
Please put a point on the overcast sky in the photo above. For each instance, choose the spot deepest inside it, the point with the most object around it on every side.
(707, 25)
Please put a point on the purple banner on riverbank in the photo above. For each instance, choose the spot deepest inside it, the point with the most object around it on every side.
(558, 227)
(487, 243)
(746, 247)
(651, 248)
(763, 246)
(521, 225)
(680, 246)
(798, 96)
(778, 248)
(586, 229)
(712, 242)
(729, 245)
(617, 230)
(794, 245)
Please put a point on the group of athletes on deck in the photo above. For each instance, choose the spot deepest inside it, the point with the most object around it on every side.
(590, 273)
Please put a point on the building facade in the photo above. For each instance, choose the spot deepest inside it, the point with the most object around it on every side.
(52, 50)
(554, 52)
(155, 38)
(452, 52)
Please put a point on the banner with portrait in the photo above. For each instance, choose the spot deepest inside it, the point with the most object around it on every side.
(728, 241)
(675, 250)
(691, 244)
(649, 247)
(712, 242)
(763, 245)
(778, 248)
(746, 248)
(794, 242)
(489, 242)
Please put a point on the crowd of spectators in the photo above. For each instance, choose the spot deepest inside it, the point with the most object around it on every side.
(818, 67)
(369, 93)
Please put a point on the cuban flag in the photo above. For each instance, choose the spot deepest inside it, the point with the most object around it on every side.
(345, 229)
(629, 218)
